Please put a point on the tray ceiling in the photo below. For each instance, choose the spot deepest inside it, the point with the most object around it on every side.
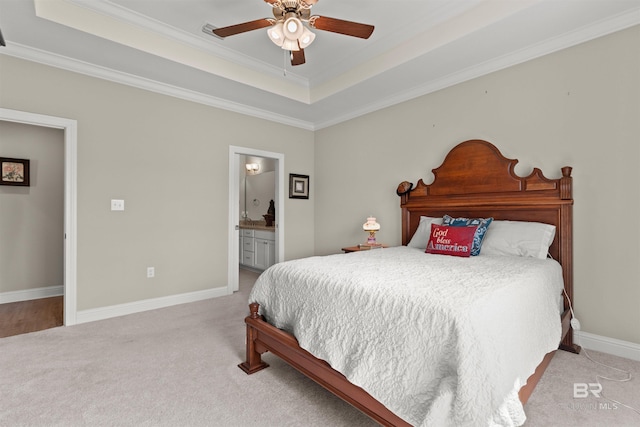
(418, 46)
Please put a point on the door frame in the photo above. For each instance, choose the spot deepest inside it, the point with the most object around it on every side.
(234, 208)
(70, 129)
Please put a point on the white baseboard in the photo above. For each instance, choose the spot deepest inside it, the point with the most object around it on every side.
(587, 340)
(102, 313)
(29, 294)
(608, 345)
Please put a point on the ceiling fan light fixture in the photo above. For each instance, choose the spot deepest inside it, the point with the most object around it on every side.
(306, 38)
(276, 34)
(290, 45)
(292, 28)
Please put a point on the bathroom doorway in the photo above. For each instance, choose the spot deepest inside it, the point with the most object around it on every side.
(238, 159)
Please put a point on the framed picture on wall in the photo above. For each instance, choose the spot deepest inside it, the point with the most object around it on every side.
(298, 186)
(14, 171)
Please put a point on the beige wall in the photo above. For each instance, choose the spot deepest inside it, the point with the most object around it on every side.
(577, 107)
(168, 159)
(32, 218)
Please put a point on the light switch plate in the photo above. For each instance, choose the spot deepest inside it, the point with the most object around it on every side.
(117, 205)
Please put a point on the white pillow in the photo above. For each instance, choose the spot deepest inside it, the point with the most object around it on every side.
(421, 237)
(521, 238)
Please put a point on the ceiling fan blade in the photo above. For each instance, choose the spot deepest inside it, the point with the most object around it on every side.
(340, 26)
(297, 57)
(242, 28)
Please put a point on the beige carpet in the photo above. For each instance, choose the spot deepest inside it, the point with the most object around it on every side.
(177, 367)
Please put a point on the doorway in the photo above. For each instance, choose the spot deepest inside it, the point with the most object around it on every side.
(69, 238)
(235, 168)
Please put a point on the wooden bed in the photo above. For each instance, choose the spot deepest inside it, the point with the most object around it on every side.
(475, 180)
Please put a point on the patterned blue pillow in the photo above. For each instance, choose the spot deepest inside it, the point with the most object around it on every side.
(481, 223)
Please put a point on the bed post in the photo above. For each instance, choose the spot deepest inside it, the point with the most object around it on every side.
(403, 191)
(566, 255)
(254, 361)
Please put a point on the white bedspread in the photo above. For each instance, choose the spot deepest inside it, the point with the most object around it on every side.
(439, 340)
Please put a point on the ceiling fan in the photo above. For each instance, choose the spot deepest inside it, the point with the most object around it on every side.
(288, 31)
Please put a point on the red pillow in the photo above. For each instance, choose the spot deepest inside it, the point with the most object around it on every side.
(448, 240)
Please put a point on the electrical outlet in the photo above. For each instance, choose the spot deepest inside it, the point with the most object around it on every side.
(151, 272)
(117, 205)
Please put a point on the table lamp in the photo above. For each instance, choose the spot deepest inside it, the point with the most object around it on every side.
(371, 226)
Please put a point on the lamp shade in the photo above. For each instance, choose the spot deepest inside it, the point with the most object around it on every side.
(292, 28)
(276, 34)
(371, 224)
(306, 38)
(290, 45)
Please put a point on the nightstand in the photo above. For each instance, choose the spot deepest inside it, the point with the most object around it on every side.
(359, 248)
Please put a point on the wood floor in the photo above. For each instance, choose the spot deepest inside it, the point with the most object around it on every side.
(30, 316)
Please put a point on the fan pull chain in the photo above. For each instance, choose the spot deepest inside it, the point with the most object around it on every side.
(284, 63)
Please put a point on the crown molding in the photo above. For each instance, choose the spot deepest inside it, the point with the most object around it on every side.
(582, 35)
(201, 41)
(92, 70)
(78, 16)
(602, 28)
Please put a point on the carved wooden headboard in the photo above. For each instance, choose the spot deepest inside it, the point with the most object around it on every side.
(476, 180)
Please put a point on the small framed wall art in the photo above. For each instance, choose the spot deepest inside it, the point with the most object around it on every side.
(14, 171)
(298, 186)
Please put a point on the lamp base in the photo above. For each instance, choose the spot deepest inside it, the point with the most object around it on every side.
(371, 240)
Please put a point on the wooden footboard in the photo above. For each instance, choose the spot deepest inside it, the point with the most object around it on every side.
(262, 337)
